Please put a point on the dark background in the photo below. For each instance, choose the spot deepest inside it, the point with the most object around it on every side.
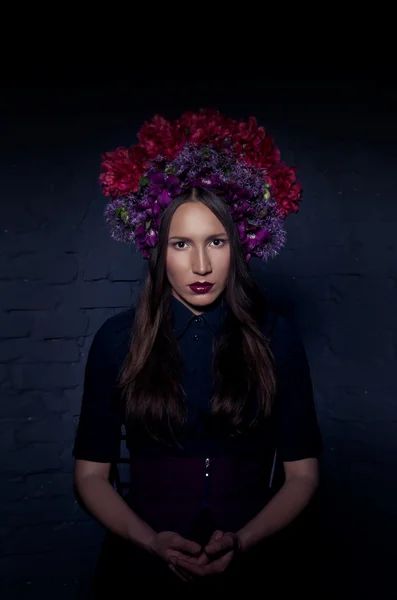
(61, 276)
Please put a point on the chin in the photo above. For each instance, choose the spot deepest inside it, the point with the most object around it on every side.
(198, 300)
(202, 299)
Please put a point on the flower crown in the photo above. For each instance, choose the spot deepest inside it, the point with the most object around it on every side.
(237, 160)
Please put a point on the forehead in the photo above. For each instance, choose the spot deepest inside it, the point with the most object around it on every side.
(195, 218)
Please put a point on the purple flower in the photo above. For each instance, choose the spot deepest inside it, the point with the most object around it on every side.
(252, 235)
(241, 209)
(164, 199)
(149, 206)
(146, 236)
(257, 238)
(243, 188)
(174, 185)
(159, 181)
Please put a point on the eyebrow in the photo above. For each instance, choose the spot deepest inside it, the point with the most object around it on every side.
(186, 239)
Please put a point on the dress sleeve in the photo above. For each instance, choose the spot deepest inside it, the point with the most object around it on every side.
(297, 431)
(98, 431)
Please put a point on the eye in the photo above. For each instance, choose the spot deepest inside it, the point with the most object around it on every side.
(179, 247)
(220, 244)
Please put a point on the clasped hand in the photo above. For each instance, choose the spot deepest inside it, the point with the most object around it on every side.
(188, 560)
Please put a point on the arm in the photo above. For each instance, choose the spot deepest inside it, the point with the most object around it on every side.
(301, 481)
(298, 439)
(107, 506)
(97, 442)
(97, 445)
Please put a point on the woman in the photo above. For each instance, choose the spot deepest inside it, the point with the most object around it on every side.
(210, 382)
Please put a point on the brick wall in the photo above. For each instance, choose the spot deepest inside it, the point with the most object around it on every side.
(61, 276)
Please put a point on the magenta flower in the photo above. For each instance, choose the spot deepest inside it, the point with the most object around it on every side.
(146, 236)
(159, 181)
(244, 189)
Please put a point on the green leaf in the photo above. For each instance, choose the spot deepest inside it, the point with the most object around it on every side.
(266, 195)
(123, 214)
(143, 181)
(148, 223)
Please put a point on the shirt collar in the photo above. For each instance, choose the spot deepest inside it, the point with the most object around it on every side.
(182, 316)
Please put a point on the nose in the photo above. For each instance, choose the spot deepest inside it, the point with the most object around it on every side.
(201, 263)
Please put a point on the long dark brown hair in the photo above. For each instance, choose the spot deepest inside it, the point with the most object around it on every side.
(243, 366)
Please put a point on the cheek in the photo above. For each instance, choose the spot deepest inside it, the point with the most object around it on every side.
(174, 268)
(224, 265)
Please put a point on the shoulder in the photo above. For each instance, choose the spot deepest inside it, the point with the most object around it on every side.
(278, 327)
(111, 340)
(285, 338)
(117, 326)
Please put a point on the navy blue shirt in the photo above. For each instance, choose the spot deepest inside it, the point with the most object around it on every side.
(293, 429)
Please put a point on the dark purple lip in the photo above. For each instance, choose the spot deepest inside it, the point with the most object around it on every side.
(201, 288)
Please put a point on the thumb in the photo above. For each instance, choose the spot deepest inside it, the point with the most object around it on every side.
(202, 559)
(217, 535)
(188, 546)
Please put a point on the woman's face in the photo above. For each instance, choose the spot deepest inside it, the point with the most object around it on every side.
(198, 252)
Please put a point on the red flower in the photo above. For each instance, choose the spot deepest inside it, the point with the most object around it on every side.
(122, 170)
(249, 134)
(255, 145)
(204, 126)
(208, 125)
(285, 188)
(158, 137)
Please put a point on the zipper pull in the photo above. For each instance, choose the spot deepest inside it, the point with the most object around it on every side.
(207, 483)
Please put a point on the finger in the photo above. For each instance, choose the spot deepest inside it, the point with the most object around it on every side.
(225, 543)
(193, 560)
(213, 568)
(220, 564)
(179, 573)
(174, 556)
(202, 559)
(193, 567)
(196, 560)
(217, 535)
(187, 546)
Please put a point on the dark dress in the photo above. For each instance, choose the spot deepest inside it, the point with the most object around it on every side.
(208, 483)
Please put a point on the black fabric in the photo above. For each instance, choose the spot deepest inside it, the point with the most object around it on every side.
(171, 488)
(294, 430)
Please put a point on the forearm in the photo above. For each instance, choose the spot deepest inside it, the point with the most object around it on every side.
(282, 509)
(109, 508)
